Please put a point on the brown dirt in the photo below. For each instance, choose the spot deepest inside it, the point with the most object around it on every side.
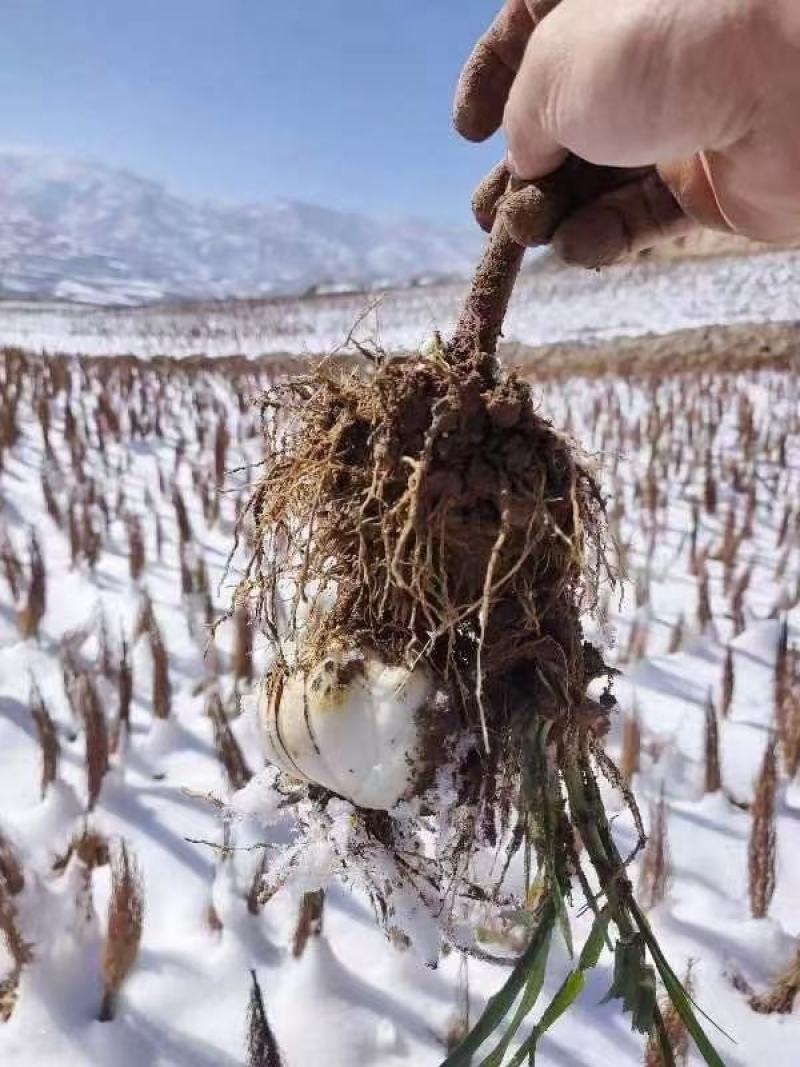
(748, 346)
(452, 522)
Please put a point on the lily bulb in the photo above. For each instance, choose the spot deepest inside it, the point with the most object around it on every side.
(352, 724)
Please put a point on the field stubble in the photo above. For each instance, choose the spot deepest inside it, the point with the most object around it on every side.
(121, 734)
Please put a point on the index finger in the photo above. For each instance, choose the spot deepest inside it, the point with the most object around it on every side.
(489, 72)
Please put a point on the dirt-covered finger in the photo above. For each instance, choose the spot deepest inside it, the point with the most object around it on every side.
(621, 223)
(488, 194)
(489, 72)
(531, 213)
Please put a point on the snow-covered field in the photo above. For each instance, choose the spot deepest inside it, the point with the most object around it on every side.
(94, 452)
(549, 305)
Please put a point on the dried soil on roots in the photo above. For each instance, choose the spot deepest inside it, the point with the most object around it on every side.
(423, 508)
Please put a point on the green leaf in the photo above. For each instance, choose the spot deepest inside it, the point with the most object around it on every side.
(570, 989)
(678, 995)
(530, 995)
(646, 1001)
(591, 951)
(501, 1003)
(563, 925)
(634, 982)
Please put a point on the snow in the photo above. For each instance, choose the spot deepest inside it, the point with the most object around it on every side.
(549, 305)
(353, 997)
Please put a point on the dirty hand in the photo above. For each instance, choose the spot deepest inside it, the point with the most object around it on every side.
(689, 110)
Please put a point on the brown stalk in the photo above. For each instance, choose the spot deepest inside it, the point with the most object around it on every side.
(460, 1024)
(728, 683)
(12, 568)
(309, 921)
(713, 776)
(655, 864)
(705, 614)
(254, 893)
(47, 737)
(124, 931)
(93, 719)
(162, 687)
(782, 994)
(20, 951)
(227, 747)
(676, 1031)
(137, 558)
(631, 747)
(11, 873)
(480, 325)
(242, 654)
(262, 1048)
(124, 696)
(221, 442)
(763, 836)
(676, 636)
(32, 613)
(181, 517)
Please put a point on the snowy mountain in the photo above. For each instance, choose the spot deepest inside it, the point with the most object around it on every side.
(82, 231)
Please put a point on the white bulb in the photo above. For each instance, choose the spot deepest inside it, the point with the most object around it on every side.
(352, 724)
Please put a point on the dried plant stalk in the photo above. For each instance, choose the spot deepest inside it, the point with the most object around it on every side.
(631, 746)
(227, 747)
(124, 696)
(481, 324)
(676, 636)
(162, 687)
(712, 781)
(676, 1032)
(309, 921)
(242, 655)
(654, 878)
(31, 615)
(256, 889)
(137, 555)
(124, 932)
(782, 994)
(763, 836)
(460, 1025)
(728, 683)
(48, 738)
(11, 872)
(12, 568)
(262, 1048)
(92, 717)
(89, 846)
(19, 949)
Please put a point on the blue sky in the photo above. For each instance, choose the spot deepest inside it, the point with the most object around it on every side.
(342, 102)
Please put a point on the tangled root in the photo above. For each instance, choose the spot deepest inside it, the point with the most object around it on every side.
(423, 508)
(430, 512)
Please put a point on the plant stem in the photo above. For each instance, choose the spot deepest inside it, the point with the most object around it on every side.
(480, 324)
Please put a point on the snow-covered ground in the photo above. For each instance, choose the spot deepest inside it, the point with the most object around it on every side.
(549, 304)
(352, 997)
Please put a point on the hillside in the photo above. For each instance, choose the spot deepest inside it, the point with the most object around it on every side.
(81, 231)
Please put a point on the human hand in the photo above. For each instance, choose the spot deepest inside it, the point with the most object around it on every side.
(692, 109)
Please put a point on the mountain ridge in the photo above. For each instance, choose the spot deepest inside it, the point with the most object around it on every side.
(83, 231)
